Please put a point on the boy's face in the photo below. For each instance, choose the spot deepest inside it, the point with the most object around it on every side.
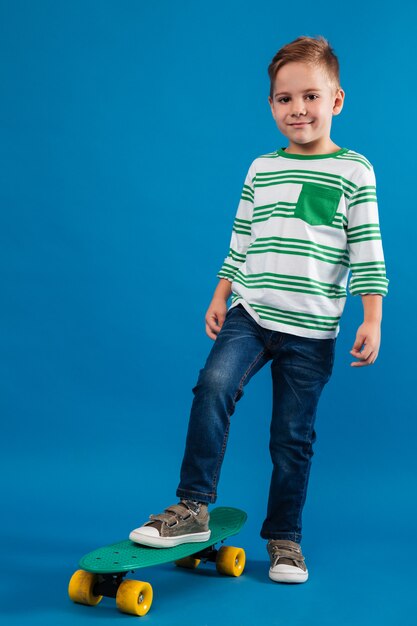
(303, 94)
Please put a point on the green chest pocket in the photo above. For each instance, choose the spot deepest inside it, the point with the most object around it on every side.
(317, 204)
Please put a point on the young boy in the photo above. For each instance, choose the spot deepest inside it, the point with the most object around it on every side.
(308, 214)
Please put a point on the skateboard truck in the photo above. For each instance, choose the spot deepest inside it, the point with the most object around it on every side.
(208, 554)
(108, 584)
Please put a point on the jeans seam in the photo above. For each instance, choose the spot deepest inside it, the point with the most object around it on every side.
(188, 492)
(221, 456)
(292, 536)
(307, 473)
(251, 366)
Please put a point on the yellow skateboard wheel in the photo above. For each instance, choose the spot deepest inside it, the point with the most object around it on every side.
(134, 597)
(230, 561)
(189, 562)
(80, 588)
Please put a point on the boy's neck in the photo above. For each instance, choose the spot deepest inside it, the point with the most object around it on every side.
(307, 149)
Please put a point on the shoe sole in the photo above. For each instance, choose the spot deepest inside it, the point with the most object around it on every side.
(288, 578)
(168, 542)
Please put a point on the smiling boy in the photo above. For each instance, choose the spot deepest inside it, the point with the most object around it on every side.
(307, 216)
(304, 115)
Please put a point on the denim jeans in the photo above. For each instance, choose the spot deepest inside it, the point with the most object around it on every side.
(300, 367)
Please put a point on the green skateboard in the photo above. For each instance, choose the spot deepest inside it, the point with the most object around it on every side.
(103, 570)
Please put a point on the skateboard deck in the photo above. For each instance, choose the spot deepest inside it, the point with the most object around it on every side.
(102, 570)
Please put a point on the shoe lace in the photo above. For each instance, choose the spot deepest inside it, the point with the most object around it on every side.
(279, 549)
(173, 514)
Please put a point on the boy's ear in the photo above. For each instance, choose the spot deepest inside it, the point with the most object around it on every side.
(338, 102)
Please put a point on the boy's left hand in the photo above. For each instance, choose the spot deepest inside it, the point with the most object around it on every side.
(368, 336)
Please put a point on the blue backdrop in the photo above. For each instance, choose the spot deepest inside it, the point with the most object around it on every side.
(123, 126)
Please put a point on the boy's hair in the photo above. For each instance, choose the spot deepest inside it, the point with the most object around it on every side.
(317, 52)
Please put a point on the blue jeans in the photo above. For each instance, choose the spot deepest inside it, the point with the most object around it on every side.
(300, 367)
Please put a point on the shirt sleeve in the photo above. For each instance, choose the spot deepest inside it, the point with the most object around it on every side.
(242, 228)
(364, 243)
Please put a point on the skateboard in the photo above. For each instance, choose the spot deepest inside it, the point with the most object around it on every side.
(103, 571)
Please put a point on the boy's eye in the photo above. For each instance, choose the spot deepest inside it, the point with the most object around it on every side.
(285, 98)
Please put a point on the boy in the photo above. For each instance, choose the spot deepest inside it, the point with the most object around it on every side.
(307, 214)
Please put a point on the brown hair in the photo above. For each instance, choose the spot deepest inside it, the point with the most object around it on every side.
(316, 52)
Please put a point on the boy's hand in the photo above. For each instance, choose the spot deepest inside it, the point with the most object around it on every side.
(368, 336)
(215, 317)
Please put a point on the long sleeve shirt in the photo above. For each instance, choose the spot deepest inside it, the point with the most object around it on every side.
(302, 224)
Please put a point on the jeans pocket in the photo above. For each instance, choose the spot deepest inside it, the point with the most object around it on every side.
(317, 204)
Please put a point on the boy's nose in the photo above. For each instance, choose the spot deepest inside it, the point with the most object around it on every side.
(298, 109)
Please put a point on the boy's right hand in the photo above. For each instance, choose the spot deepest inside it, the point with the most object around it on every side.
(215, 317)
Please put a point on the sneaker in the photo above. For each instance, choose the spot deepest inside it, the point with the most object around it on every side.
(185, 522)
(287, 561)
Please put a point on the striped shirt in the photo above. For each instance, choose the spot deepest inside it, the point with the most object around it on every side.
(302, 223)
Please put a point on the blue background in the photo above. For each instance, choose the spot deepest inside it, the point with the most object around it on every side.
(127, 129)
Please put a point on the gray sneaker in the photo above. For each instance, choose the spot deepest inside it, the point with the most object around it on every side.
(287, 561)
(185, 522)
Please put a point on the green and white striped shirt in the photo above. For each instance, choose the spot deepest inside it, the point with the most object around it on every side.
(302, 223)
